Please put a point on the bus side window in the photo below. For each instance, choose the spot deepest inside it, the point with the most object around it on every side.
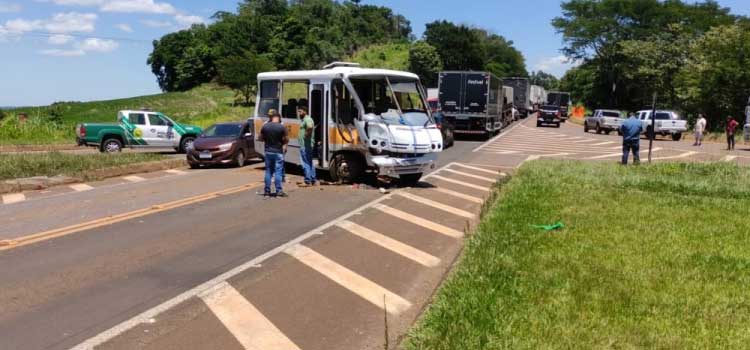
(269, 97)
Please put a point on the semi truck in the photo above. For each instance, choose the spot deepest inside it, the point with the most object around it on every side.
(560, 99)
(472, 102)
(527, 97)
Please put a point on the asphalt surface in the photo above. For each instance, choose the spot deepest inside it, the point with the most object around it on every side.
(197, 260)
(58, 292)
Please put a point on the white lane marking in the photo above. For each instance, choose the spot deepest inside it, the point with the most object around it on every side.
(728, 158)
(149, 314)
(498, 151)
(419, 221)
(134, 178)
(175, 172)
(490, 141)
(610, 155)
(350, 280)
(476, 187)
(493, 172)
(603, 143)
(437, 205)
(458, 194)
(81, 187)
(470, 175)
(544, 149)
(679, 156)
(532, 157)
(585, 140)
(391, 244)
(13, 198)
(246, 323)
(556, 155)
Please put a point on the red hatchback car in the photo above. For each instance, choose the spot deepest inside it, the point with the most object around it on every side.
(223, 143)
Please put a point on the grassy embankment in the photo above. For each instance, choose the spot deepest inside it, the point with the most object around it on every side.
(201, 106)
(14, 166)
(653, 257)
(387, 56)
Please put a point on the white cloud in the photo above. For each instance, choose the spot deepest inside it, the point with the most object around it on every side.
(188, 20)
(62, 53)
(557, 65)
(9, 7)
(60, 39)
(156, 24)
(97, 45)
(125, 27)
(60, 23)
(138, 6)
(79, 2)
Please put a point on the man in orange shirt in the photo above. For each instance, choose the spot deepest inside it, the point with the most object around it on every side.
(731, 127)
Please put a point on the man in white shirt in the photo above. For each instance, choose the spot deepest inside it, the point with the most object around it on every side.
(700, 128)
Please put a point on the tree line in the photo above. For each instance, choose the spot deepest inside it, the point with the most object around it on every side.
(266, 35)
(693, 56)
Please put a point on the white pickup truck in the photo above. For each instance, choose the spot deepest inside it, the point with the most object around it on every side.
(667, 123)
(603, 120)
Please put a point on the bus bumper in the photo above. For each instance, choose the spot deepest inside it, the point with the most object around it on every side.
(400, 166)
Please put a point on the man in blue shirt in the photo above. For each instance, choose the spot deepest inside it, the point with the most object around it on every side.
(631, 130)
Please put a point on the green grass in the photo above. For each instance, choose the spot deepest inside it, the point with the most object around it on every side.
(653, 257)
(201, 106)
(386, 56)
(14, 166)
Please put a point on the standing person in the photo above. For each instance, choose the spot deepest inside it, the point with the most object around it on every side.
(306, 140)
(276, 139)
(700, 128)
(731, 127)
(631, 139)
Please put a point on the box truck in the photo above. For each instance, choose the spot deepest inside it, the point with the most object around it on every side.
(472, 101)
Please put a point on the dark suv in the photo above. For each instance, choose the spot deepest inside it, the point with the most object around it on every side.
(549, 114)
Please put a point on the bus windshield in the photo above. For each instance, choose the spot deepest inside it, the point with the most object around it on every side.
(397, 100)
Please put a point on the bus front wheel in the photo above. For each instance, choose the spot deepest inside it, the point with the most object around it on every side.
(346, 168)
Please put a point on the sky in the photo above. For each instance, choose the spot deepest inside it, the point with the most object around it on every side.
(100, 47)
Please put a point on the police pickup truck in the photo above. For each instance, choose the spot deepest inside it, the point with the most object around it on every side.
(137, 129)
(667, 123)
(603, 120)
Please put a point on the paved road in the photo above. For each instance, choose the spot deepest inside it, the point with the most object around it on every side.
(195, 259)
(103, 252)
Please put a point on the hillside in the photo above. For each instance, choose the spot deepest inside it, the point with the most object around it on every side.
(390, 56)
(202, 106)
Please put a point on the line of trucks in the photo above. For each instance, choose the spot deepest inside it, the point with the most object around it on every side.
(480, 103)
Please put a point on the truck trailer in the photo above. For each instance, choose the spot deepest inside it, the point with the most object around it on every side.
(521, 94)
(560, 99)
(472, 101)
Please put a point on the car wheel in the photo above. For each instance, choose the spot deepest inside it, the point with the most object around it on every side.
(608, 132)
(410, 180)
(345, 168)
(111, 146)
(186, 143)
(538, 124)
(194, 166)
(239, 159)
(598, 129)
(677, 136)
(585, 127)
(557, 125)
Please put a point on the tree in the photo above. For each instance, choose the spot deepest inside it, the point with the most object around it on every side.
(545, 80)
(240, 73)
(425, 62)
(182, 60)
(459, 46)
(502, 59)
(714, 78)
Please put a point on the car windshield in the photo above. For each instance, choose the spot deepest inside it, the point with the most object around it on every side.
(550, 108)
(223, 130)
(397, 100)
(610, 114)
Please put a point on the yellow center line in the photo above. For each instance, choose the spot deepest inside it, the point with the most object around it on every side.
(109, 220)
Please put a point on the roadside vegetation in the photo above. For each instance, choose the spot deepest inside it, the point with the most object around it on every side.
(651, 257)
(13, 166)
(52, 124)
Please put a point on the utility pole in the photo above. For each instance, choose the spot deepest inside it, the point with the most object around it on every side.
(651, 134)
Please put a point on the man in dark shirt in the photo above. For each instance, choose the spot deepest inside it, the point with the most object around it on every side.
(631, 130)
(275, 137)
(731, 127)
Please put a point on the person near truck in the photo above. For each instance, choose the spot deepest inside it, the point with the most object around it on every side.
(731, 128)
(700, 128)
(306, 138)
(275, 137)
(631, 130)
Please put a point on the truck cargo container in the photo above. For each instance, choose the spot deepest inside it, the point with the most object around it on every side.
(472, 101)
